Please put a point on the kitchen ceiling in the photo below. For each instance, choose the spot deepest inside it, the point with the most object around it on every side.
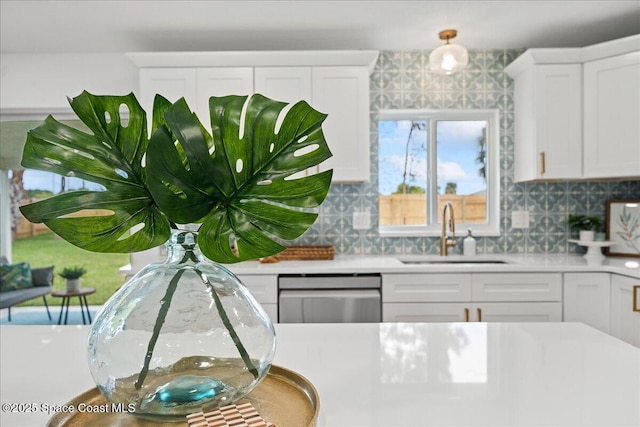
(126, 26)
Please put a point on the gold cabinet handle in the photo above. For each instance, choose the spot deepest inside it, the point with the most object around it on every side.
(635, 298)
(479, 311)
(466, 314)
(543, 163)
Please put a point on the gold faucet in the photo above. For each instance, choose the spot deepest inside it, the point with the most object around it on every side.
(445, 241)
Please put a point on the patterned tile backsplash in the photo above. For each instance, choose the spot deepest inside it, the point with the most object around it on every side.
(401, 80)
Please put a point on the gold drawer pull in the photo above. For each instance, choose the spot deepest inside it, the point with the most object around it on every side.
(543, 163)
(479, 315)
(466, 314)
(635, 298)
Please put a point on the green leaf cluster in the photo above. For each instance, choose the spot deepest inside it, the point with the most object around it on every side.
(579, 222)
(74, 272)
(235, 181)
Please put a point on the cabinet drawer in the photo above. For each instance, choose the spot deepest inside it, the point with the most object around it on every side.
(425, 312)
(426, 287)
(264, 288)
(516, 287)
(517, 312)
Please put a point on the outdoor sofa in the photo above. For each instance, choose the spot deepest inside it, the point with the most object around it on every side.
(19, 283)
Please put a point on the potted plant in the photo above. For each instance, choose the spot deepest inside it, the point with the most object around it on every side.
(585, 225)
(184, 334)
(72, 276)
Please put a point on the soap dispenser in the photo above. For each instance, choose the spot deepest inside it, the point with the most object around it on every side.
(469, 245)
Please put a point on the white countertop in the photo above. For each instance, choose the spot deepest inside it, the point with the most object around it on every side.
(393, 264)
(391, 374)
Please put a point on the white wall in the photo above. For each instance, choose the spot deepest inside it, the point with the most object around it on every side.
(34, 85)
(44, 81)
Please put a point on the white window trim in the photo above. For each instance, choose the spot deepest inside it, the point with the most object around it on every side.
(492, 227)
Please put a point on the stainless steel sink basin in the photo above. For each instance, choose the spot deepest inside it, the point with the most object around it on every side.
(449, 260)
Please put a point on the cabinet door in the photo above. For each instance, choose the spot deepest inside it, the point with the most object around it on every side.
(172, 83)
(221, 81)
(425, 312)
(264, 288)
(548, 122)
(513, 287)
(343, 94)
(426, 287)
(625, 311)
(516, 312)
(289, 84)
(587, 299)
(611, 111)
(272, 311)
(558, 121)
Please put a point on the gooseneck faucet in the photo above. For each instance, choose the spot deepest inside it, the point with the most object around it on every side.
(445, 241)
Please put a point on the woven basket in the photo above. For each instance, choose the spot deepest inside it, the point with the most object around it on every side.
(299, 253)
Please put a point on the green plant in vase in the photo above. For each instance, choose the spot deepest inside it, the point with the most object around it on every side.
(71, 273)
(72, 277)
(183, 334)
(585, 225)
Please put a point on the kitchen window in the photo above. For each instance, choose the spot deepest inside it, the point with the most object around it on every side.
(430, 157)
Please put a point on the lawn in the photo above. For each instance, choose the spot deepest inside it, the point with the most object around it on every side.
(48, 249)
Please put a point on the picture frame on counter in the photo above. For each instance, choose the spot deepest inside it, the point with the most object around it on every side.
(623, 228)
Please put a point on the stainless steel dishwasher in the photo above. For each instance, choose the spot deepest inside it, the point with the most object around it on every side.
(329, 298)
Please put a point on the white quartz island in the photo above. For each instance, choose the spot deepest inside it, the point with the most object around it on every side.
(390, 374)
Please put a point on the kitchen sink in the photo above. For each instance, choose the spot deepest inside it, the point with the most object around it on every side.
(450, 260)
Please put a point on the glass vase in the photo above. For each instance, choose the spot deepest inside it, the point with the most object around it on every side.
(180, 336)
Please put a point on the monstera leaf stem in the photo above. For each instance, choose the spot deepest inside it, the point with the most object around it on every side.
(227, 324)
(165, 303)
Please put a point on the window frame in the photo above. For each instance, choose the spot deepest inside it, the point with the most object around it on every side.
(492, 117)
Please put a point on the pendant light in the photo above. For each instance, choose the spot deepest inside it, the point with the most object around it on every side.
(450, 58)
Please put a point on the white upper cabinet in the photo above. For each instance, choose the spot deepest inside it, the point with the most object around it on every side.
(343, 94)
(548, 131)
(612, 117)
(172, 83)
(333, 82)
(290, 84)
(196, 85)
(576, 112)
(220, 82)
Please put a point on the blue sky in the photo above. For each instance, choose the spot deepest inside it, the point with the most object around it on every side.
(457, 149)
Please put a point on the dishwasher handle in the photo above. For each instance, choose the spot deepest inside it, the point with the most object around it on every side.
(330, 293)
(330, 282)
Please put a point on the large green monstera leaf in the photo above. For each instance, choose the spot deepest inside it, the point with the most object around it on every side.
(237, 181)
(111, 156)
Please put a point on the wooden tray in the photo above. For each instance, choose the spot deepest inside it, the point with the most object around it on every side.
(284, 398)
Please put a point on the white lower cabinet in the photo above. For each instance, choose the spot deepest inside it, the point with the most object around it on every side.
(473, 312)
(587, 299)
(425, 312)
(476, 297)
(625, 309)
(517, 312)
(264, 288)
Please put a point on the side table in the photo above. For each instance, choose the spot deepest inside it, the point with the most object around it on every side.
(66, 296)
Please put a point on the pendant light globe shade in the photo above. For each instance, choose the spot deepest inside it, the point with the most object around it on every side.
(450, 58)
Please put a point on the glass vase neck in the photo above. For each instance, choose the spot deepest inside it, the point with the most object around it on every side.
(182, 247)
